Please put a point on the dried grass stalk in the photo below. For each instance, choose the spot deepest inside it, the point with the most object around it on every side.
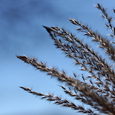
(98, 88)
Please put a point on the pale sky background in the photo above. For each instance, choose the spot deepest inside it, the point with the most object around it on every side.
(21, 33)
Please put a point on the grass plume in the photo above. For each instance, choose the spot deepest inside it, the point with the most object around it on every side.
(99, 90)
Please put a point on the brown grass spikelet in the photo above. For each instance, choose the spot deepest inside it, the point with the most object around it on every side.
(96, 89)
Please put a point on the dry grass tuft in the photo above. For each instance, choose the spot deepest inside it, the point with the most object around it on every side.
(98, 88)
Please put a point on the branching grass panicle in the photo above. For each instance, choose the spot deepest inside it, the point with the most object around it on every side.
(98, 91)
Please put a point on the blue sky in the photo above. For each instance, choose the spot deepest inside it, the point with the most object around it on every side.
(21, 33)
